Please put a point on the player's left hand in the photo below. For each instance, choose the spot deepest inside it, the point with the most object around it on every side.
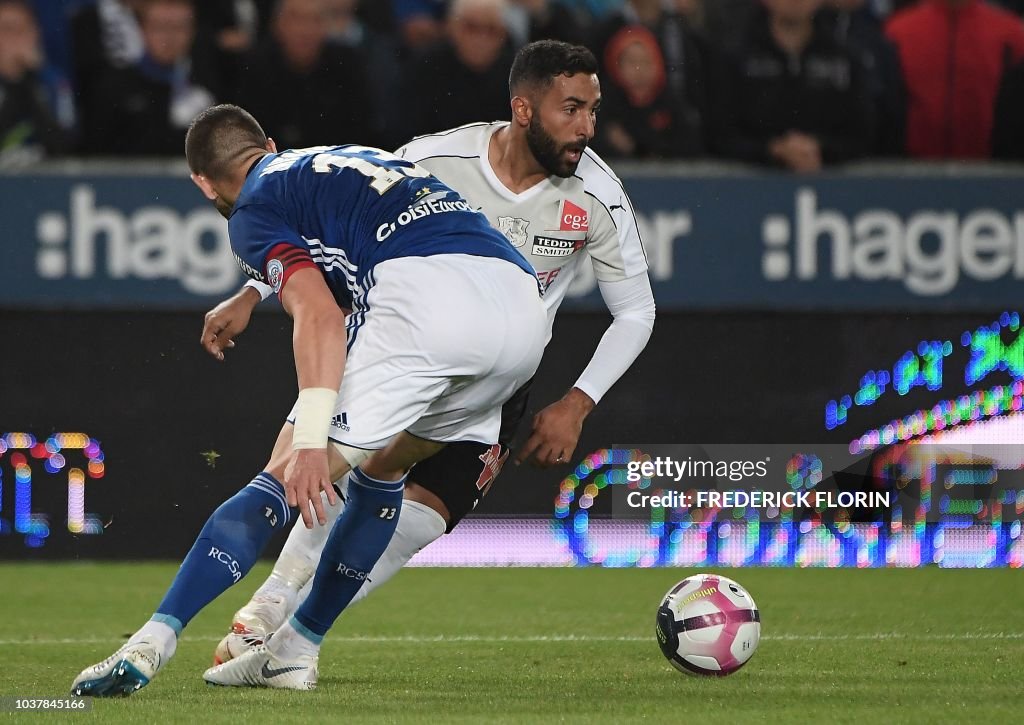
(556, 430)
(306, 475)
(228, 320)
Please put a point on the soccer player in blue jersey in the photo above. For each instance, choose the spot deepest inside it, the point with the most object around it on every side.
(566, 211)
(446, 323)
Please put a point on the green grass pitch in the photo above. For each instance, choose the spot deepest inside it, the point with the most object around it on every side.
(550, 645)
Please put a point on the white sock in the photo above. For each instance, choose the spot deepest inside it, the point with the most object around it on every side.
(418, 525)
(289, 644)
(160, 634)
(297, 563)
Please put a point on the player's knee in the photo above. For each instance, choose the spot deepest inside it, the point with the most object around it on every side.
(415, 492)
(418, 526)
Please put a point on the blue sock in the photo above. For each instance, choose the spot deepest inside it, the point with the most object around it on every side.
(358, 539)
(227, 547)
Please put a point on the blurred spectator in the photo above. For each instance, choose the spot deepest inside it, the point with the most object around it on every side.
(595, 9)
(465, 78)
(858, 27)
(343, 24)
(420, 22)
(1007, 138)
(530, 20)
(954, 54)
(144, 109)
(304, 90)
(35, 100)
(225, 32)
(54, 20)
(680, 108)
(233, 23)
(639, 117)
(726, 21)
(791, 95)
(104, 36)
(378, 51)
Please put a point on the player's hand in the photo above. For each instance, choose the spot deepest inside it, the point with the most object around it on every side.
(306, 475)
(228, 320)
(556, 430)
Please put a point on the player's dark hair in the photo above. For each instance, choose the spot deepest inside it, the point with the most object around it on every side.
(219, 138)
(537, 64)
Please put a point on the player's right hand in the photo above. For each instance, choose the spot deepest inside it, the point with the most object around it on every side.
(228, 320)
(305, 476)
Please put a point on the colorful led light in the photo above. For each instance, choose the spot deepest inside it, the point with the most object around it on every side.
(36, 527)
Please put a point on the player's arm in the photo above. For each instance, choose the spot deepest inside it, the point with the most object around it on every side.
(230, 318)
(268, 249)
(227, 320)
(557, 428)
(620, 266)
(631, 303)
(318, 340)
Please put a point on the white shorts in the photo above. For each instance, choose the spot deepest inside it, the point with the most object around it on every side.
(441, 343)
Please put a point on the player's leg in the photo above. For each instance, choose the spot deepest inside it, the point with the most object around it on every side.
(350, 553)
(289, 660)
(442, 489)
(388, 384)
(227, 547)
(413, 369)
(423, 519)
(446, 490)
(281, 592)
(448, 485)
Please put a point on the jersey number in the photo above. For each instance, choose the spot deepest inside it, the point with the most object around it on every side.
(382, 177)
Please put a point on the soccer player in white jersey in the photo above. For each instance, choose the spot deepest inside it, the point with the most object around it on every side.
(562, 207)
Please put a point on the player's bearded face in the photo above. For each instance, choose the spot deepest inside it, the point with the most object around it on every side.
(558, 159)
(562, 122)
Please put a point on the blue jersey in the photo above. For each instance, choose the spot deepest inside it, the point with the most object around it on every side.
(344, 209)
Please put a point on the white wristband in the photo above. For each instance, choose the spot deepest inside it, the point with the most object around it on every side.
(265, 290)
(313, 411)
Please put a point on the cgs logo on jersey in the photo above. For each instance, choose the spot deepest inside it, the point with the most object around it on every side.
(514, 229)
(573, 218)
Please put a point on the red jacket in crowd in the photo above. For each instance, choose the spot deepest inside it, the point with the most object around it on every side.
(954, 55)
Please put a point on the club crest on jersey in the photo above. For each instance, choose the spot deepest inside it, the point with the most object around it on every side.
(514, 229)
(573, 218)
(275, 274)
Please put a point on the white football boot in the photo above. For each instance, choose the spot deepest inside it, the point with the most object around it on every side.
(129, 669)
(259, 667)
(249, 627)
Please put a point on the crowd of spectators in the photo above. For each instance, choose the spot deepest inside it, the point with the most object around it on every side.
(794, 84)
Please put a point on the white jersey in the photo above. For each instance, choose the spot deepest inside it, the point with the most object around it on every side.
(556, 224)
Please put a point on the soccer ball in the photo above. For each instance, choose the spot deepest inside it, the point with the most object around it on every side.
(708, 625)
